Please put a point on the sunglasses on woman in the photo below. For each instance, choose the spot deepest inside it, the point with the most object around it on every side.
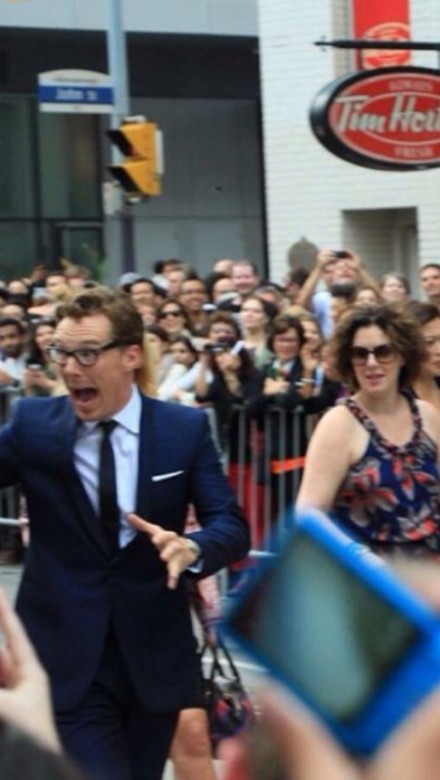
(383, 353)
(170, 313)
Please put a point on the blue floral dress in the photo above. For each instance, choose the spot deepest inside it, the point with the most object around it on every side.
(390, 498)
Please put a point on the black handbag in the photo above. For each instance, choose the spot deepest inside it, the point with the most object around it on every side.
(227, 702)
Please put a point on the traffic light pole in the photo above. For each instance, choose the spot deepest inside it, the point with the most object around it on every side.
(117, 60)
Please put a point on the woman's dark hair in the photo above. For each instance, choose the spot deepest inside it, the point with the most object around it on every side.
(423, 312)
(176, 303)
(35, 353)
(158, 331)
(269, 308)
(400, 327)
(227, 318)
(246, 368)
(187, 343)
(400, 278)
(282, 324)
(373, 289)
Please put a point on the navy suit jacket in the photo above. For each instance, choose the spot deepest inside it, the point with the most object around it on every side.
(73, 589)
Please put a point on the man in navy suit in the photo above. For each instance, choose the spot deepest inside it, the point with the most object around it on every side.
(111, 624)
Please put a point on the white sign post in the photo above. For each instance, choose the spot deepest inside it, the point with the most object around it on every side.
(75, 91)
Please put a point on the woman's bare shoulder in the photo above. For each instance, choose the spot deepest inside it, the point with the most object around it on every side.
(336, 417)
(335, 430)
(430, 419)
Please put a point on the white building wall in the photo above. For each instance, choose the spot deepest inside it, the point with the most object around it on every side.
(308, 189)
(216, 17)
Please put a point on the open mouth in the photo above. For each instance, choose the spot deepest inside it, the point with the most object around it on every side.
(83, 394)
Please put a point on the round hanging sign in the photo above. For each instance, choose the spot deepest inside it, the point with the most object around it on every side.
(387, 119)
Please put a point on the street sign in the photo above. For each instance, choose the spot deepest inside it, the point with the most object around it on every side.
(75, 91)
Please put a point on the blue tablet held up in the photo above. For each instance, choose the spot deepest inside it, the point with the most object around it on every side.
(341, 631)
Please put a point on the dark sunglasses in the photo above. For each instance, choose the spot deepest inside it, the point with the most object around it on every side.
(170, 313)
(383, 353)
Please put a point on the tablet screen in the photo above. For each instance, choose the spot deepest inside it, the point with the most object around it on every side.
(323, 630)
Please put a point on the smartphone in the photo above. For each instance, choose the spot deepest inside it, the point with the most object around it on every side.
(338, 628)
(342, 253)
(238, 346)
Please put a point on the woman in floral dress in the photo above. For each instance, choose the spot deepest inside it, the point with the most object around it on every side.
(373, 461)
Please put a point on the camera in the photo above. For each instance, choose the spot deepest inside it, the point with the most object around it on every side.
(216, 347)
(341, 253)
(336, 626)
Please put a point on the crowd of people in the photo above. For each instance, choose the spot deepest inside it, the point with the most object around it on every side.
(253, 353)
(262, 360)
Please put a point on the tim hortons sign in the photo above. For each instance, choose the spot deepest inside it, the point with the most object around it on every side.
(388, 119)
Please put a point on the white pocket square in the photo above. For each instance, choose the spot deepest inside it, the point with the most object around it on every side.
(168, 475)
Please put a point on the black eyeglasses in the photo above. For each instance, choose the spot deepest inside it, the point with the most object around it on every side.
(383, 353)
(85, 356)
(169, 313)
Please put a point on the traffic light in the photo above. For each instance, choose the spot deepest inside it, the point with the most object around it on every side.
(140, 143)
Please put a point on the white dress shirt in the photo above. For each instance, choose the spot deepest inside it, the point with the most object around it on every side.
(125, 442)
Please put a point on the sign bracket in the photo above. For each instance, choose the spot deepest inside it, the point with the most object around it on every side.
(365, 43)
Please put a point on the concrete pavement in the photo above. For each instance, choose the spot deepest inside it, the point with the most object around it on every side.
(9, 579)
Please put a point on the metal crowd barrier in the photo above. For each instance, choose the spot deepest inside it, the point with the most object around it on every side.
(10, 537)
(265, 469)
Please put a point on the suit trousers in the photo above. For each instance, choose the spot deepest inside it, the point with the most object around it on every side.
(109, 733)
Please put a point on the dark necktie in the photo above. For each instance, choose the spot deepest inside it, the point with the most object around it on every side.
(108, 499)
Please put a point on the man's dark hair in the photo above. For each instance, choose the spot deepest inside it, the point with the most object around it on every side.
(116, 305)
(141, 280)
(158, 266)
(8, 321)
(245, 262)
(211, 280)
(345, 290)
(21, 299)
(298, 276)
(173, 261)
